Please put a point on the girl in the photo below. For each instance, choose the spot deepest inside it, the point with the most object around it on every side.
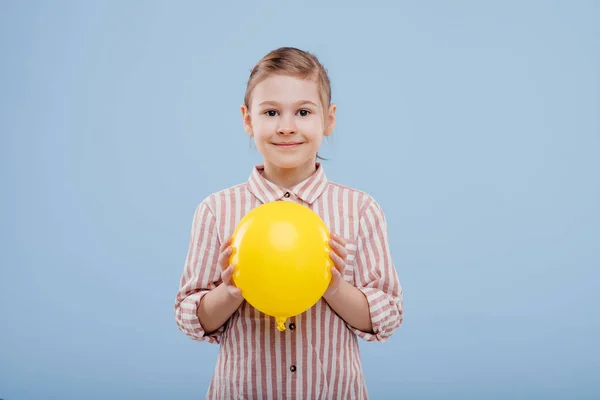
(287, 110)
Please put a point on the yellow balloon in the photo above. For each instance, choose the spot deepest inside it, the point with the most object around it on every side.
(281, 259)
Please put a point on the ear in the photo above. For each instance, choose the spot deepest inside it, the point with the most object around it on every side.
(330, 120)
(246, 121)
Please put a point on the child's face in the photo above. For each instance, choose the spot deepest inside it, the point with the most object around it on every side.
(287, 121)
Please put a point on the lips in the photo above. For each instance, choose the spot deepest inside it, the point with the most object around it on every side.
(287, 144)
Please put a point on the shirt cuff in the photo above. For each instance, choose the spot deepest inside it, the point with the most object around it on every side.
(385, 313)
(188, 322)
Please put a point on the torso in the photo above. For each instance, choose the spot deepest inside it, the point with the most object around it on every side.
(317, 356)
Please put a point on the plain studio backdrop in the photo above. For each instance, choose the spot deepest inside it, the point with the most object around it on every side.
(476, 125)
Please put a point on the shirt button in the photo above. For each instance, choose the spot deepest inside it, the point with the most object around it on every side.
(287, 194)
(293, 368)
(292, 326)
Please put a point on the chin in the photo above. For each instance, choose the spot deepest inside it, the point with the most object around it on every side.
(290, 163)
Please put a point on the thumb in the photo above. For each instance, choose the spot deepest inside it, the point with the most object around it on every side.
(336, 278)
(335, 274)
(227, 274)
(235, 291)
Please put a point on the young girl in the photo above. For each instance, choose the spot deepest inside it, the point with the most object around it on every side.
(287, 110)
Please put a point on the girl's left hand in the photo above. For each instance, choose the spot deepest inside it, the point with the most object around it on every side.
(338, 255)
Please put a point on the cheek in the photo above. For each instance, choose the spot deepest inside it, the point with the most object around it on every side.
(311, 126)
(263, 128)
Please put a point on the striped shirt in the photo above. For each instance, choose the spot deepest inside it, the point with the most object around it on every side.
(317, 356)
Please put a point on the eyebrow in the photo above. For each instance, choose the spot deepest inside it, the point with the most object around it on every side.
(297, 103)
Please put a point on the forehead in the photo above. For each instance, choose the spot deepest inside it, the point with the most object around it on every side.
(285, 89)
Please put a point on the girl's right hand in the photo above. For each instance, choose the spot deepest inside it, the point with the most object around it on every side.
(227, 269)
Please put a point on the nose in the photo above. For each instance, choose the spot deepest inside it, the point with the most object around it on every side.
(287, 126)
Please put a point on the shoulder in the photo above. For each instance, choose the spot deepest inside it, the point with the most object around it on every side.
(217, 200)
(366, 202)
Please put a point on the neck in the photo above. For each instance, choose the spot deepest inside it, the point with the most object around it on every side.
(289, 177)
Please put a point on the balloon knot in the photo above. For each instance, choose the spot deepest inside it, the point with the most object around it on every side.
(281, 324)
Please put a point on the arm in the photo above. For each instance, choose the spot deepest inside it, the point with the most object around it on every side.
(376, 278)
(201, 318)
(216, 307)
(351, 305)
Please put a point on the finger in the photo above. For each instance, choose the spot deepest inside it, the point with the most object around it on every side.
(338, 239)
(339, 249)
(225, 244)
(227, 274)
(339, 262)
(224, 257)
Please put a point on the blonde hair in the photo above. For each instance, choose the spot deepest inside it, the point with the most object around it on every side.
(291, 61)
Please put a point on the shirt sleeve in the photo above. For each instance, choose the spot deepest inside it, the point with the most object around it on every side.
(201, 274)
(376, 275)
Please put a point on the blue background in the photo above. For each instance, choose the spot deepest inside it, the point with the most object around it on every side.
(476, 125)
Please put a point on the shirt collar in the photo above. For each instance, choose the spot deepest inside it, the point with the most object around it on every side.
(266, 191)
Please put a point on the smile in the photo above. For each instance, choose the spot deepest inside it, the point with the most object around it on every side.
(287, 145)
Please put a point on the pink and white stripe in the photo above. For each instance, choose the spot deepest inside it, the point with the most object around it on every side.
(317, 356)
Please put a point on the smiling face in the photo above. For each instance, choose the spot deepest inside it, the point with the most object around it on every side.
(288, 122)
